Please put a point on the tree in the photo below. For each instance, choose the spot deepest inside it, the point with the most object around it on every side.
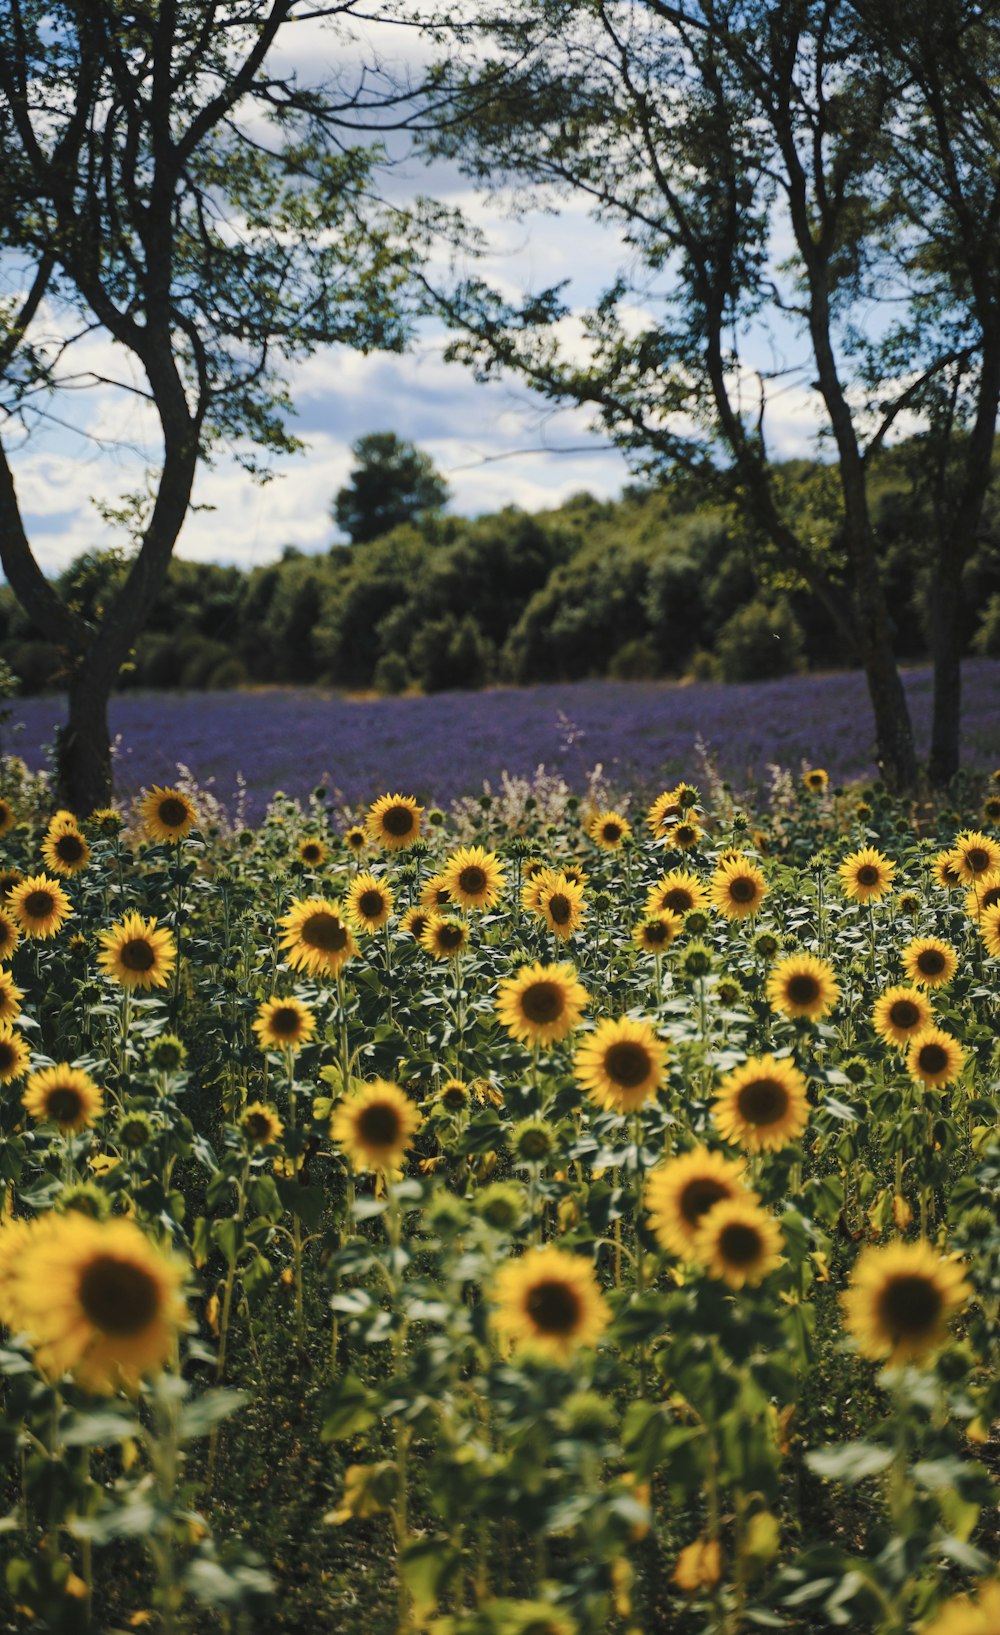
(211, 219)
(720, 135)
(392, 482)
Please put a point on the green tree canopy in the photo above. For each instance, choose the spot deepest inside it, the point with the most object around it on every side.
(392, 482)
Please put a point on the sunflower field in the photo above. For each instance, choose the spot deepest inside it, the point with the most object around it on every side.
(559, 1220)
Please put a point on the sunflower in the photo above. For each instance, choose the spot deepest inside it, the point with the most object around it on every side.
(680, 1191)
(40, 906)
(802, 985)
(608, 830)
(14, 1054)
(137, 954)
(930, 962)
(943, 869)
(356, 838)
(679, 890)
(8, 817)
(283, 1024)
(699, 1566)
(934, 1058)
(816, 779)
(444, 937)
(989, 930)
(866, 875)
(98, 1298)
(738, 888)
(65, 851)
(991, 809)
(167, 814)
(453, 1095)
(415, 921)
(964, 1616)
(369, 902)
(663, 813)
(541, 1004)
(9, 878)
(575, 874)
(621, 1064)
(474, 877)
(657, 931)
(762, 1105)
(316, 937)
(685, 835)
(738, 1241)
(900, 1014)
(63, 1095)
(313, 852)
(375, 1126)
(984, 894)
(261, 1124)
(900, 1299)
(10, 998)
(975, 855)
(549, 1299)
(393, 822)
(559, 901)
(10, 936)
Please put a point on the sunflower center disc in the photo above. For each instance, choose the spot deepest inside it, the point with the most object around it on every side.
(286, 1021)
(257, 1127)
(8, 1056)
(678, 899)
(977, 860)
(933, 1058)
(64, 1105)
(473, 880)
(371, 904)
(542, 1002)
(627, 1064)
(450, 937)
(324, 931)
(803, 989)
(930, 962)
(910, 1305)
(560, 908)
(742, 890)
(699, 1196)
(379, 1125)
(38, 905)
(117, 1296)
(398, 821)
(611, 833)
(172, 813)
(553, 1307)
(69, 848)
(739, 1244)
(656, 931)
(763, 1101)
(989, 898)
(137, 955)
(868, 875)
(904, 1014)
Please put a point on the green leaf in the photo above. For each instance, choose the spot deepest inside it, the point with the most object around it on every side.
(850, 1462)
(197, 1418)
(350, 1408)
(428, 1567)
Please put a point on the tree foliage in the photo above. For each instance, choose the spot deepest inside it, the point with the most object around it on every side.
(392, 482)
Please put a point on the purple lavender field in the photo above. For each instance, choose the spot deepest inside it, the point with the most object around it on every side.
(445, 745)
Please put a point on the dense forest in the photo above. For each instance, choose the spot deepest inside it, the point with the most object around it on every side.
(665, 581)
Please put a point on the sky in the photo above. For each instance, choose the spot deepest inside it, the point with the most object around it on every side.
(497, 444)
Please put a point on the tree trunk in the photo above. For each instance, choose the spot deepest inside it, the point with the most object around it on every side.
(83, 749)
(895, 752)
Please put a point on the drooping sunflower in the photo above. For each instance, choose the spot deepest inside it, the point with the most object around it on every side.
(663, 813)
(316, 938)
(375, 1126)
(434, 893)
(98, 1298)
(65, 851)
(8, 816)
(369, 902)
(393, 822)
(738, 888)
(681, 1191)
(10, 936)
(803, 985)
(989, 930)
(738, 1241)
(167, 814)
(965, 1615)
(474, 877)
(975, 855)
(929, 962)
(283, 1024)
(935, 1058)
(816, 779)
(63, 1095)
(549, 1299)
(14, 1054)
(415, 921)
(943, 871)
(762, 1105)
(866, 875)
(10, 998)
(621, 1064)
(261, 1124)
(39, 905)
(541, 1004)
(984, 894)
(608, 830)
(313, 852)
(559, 901)
(657, 931)
(679, 890)
(444, 937)
(900, 1299)
(900, 1014)
(137, 953)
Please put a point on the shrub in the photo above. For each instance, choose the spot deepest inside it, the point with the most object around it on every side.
(759, 641)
